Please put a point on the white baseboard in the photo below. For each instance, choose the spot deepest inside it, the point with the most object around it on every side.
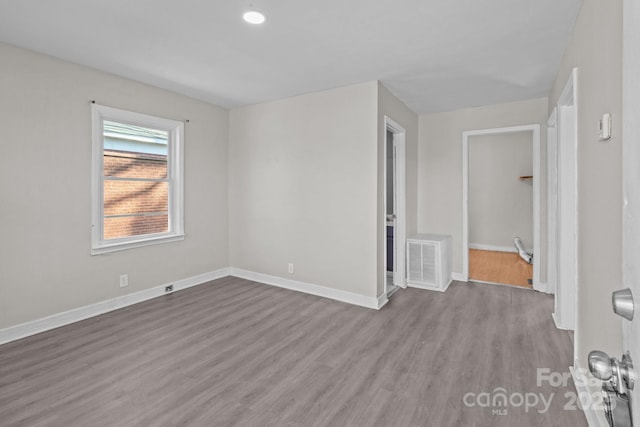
(482, 247)
(430, 288)
(595, 416)
(382, 301)
(309, 288)
(496, 248)
(426, 288)
(23, 330)
(459, 277)
(556, 321)
(544, 288)
(37, 326)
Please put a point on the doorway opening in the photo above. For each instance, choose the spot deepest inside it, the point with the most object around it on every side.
(501, 205)
(395, 206)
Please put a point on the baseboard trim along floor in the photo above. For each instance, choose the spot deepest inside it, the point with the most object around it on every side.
(309, 288)
(595, 416)
(26, 329)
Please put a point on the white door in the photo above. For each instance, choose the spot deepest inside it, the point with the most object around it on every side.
(631, 184)
(614, 369)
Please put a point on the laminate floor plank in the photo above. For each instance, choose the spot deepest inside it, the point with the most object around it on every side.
(237, 353)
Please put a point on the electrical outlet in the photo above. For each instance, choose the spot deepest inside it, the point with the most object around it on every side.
(290, 268)
(124, 280)
(168, 288)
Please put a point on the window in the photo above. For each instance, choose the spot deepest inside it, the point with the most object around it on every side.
(137, 180)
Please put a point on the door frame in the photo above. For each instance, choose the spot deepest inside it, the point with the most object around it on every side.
(535, 131)
(564, 314)
(552, 201)
(399, 200)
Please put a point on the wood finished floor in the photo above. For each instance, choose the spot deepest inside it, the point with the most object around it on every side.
(506, 268)
(237, 353)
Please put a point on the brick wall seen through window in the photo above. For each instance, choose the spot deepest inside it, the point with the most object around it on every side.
(134, 197)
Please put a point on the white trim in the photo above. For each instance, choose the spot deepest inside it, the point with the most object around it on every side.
(535, 129)
(536, 209)
(23, 330)
(567, 266)
(459, 277)
(309, 288)
(595, 417)
(430, 288)
(552, 202)
(556, 322)
(400, 227)
(148, 240)
(175, 179)
(465, 205)
(57, 320)
(382, 301)
(496, 248)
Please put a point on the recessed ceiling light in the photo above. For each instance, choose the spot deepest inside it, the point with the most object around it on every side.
(254, 17)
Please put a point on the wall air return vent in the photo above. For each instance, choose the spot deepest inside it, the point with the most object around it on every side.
(429, 261)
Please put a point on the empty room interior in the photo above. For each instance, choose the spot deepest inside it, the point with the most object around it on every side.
(277, 213)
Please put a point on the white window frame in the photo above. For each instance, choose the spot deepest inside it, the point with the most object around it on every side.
(175, 179)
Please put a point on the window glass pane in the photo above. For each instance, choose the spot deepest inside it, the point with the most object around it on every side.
(134, 207)
(134, 151)
(126, 164)
(134, 226)
(135, 197)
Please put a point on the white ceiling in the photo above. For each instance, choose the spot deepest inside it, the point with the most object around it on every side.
(436, 55)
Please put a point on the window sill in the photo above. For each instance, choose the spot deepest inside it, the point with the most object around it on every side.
(138, 243)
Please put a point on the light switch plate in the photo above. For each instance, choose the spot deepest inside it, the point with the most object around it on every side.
(605, 127)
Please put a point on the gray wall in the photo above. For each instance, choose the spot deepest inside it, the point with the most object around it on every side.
(45, 176)
(596, 49)
(306, 186)
(440, 158)
(298, 177)
(302, 188)
(500, 204)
